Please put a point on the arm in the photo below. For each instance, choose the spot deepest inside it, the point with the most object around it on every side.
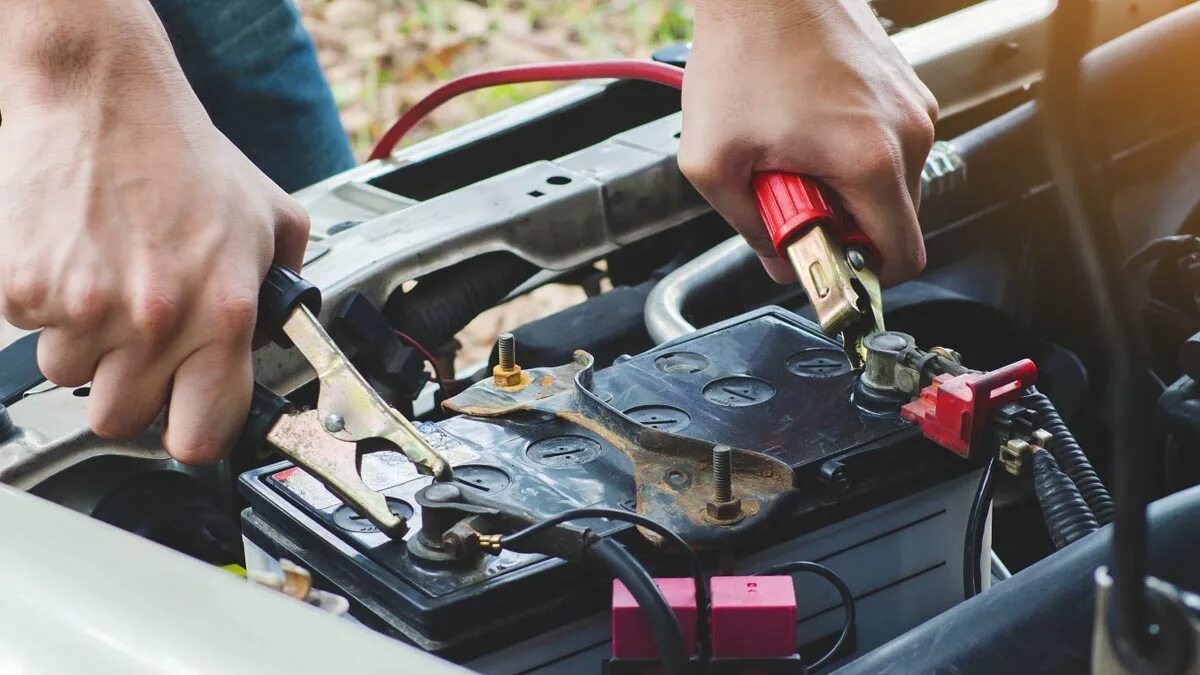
(812, 87)
(134, 232)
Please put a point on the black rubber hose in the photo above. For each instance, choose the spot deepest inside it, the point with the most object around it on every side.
(976, 524)
(1070, 456)
(1067, 516)
(445, 301)
(664, 627)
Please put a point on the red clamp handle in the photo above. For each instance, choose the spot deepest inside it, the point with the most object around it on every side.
(953, 411)
(790, 204)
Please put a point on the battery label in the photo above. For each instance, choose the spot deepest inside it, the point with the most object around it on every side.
(380, 470)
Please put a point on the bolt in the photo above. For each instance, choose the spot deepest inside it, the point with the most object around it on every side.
(507, 346)
(507, 373)
(722, 458)
(856, 259)
(723, 508)
(334, 423)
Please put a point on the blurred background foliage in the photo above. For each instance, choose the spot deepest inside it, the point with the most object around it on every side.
(381, 56)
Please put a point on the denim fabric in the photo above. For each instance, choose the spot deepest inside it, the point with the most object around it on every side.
(255, 69)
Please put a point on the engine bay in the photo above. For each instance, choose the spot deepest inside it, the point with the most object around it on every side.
(938, 482)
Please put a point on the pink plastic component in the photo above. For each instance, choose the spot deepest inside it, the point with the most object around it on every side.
(753, 617)
(631, 637)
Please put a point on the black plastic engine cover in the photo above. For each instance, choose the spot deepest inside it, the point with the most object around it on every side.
(767, 381)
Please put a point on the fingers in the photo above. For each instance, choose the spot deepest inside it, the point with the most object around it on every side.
(209, 402)
(68, 358)
(875, 171)
(881, 192)
(23, 294)
(722, 177)
(883, 208)
(77, 327)
(211, 392)
(128, 392)
(291, 234)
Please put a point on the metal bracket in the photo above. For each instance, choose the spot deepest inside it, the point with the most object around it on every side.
(672, 474)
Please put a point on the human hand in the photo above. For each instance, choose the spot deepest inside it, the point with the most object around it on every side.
(812, 87)
(135, 234)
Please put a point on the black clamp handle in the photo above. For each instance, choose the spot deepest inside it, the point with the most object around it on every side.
(266, 407)
(283, 291)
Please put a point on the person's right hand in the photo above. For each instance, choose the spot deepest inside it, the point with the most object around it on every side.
(133, 232)
(812, 87)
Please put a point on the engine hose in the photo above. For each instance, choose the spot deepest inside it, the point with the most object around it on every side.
(1070, 456)
(1067, 516)
(445, 301)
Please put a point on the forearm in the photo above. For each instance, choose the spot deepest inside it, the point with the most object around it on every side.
(65, 50)
(762, 15)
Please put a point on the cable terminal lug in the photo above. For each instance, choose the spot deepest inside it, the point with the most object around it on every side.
(491, 543)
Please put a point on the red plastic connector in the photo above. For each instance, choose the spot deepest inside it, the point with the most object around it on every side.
(631, 638)
(790, 204)
(953, 411)
(753, 617)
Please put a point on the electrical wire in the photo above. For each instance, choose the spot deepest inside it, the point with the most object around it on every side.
(625, 69)
(842, 589)
(433, 363)
(660, 619)
(972, 572)
(693, 561)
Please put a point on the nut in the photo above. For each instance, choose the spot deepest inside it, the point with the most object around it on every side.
(460, 541)
(725, 512)
(508, 377)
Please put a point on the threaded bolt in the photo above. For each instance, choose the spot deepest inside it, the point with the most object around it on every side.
(722, 459)
(507, 346)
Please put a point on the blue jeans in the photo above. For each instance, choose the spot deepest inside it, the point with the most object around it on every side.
(255, 70)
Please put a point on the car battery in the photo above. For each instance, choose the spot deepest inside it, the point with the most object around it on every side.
(874, 500)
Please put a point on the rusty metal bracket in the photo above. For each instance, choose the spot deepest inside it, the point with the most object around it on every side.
(672, 474)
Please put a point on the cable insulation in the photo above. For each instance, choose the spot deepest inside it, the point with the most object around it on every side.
(626, 69)
(976, 524)
(1070, 456)
(1068, 517)
(660, 618)
(693, 561)
(842, 589)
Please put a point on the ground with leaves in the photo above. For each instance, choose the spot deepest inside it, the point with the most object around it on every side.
(382, 55)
